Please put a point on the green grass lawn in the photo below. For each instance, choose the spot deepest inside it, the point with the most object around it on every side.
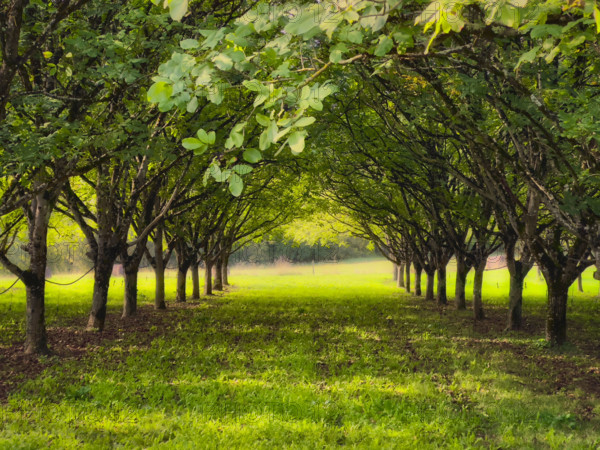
(288, 358)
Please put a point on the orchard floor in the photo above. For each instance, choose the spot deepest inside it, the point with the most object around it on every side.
(291, 358)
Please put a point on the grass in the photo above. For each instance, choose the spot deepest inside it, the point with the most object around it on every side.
(288, 359)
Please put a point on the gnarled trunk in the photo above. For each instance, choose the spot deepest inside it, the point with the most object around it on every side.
(462, 270)
(408, 276)
(395, 272)
(195, 281)
(478, 313)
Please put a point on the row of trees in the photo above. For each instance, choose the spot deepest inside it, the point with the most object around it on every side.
(451, 128)
(80, 141)
(479, 135)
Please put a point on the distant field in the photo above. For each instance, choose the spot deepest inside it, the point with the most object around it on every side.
(288, 359)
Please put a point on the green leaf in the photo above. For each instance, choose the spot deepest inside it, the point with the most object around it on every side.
(236, 185)
(302, 23)
(237, 139)
(178, 9)
(223, 61)
(528, 56)
(242, 169)
(304, 122)
(296, 142)
(47, 55)
(335, 56)
(206, 138)
(385, 45)
(540, 31)
(263, 120)
(191, 143)
(272, 131)
(252, 85)
(192, 106)
(252, 155)
(159, 92)
(188, 44)
(263, 141)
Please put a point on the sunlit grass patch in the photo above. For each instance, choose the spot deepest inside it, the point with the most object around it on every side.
(297, 360)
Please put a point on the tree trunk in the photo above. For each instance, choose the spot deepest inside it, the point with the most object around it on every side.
(429, 291)
(195, 281)
(395, 272)
(515, 300)
(401, 275)
(580, 283)
(418, 272)
(477, 290)
(442, 298)
(181, 281)
(159, 270)
(36, 341)
(131, 290)
(556, 319)
(207, 277)
(224, 270)
(218, 285)
(102, 274)
(518, 270)
(408, 276)
(462, 271)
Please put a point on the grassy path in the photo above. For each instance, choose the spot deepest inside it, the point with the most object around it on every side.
(291, 359)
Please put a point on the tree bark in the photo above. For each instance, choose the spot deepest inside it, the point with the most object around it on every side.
(442, 298)
(515, 301)
(408, 276)
(181, 281)
(159, 270)
(418, 272)
(401, 275)
(478, 313)
(195, 281)
(208, 277)
(462, 271)
(131, 291)
(580, 283)
(556, 319)
(224, 270)
(218, 284)
(36, 341)
(102, 275)
(429, 291)
(395, 272)
(518, 270)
